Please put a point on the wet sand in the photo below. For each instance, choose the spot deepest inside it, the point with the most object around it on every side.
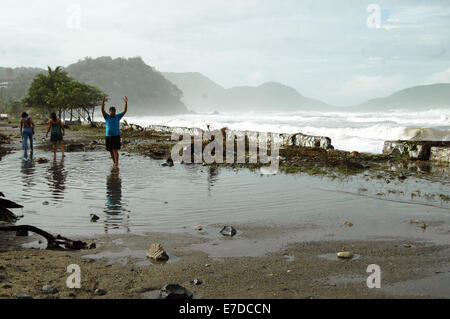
(299, 270)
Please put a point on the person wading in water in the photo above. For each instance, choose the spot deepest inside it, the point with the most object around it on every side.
(112, 121)
(26, 131)
(57, 132)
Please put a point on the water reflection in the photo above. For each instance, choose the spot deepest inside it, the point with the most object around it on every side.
(114, 209)
(27, 169)
(213, 173)
(57, 179)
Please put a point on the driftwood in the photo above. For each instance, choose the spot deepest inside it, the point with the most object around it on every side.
(53, 242)
(9, 204)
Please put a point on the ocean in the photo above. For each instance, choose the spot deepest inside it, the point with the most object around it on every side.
(350, 131)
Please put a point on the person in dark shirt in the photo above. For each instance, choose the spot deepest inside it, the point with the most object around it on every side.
(112, 121)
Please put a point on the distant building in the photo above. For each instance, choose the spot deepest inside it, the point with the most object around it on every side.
(3, 116)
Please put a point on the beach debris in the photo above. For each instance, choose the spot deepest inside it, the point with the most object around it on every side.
(228, 231)
(45, 203)
(49, 289)
(207, 265)
(414, 221)
(100, 292)
(175, 291)
(5, 203)
(21, 295)
(42, 160)
(58, 242)
(94, 218)
(22, 233)
(345, 255)
(168, 163)
(92, 245)
(199, 228)
(349, 224)
(157, 252)
(196, 282)
(424, 226)
(402, 177)
(408, 245)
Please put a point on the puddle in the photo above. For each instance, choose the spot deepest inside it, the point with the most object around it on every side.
(37, 244)
(433, 286)
(127, 255)
(333, 256)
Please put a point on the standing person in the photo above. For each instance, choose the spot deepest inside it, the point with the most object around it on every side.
(56, 126)
(26, 130)
(112, 121)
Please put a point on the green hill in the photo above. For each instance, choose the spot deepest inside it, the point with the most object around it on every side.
(202, 94)
(416, 98)
(148, 91)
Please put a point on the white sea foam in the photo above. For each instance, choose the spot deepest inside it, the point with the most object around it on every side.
(357, 131)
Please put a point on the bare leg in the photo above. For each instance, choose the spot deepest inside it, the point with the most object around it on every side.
(112, 155)
(54, 149)
(61, 144)
(116, 157)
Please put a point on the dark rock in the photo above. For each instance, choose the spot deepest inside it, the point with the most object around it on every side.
(21, 295)
(45, 203)
(94, 218)
(49, 289)
(175, 291)
(92, 246)
(228, 231)
(100, 292)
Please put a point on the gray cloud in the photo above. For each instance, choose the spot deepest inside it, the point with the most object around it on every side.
(321, 48)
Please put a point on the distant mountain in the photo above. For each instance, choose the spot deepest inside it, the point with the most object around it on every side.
(14, 83)
(202, 94)
(148, 91)
(422, 97)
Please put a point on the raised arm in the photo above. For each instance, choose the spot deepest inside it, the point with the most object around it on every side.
(103, 105)
(125, 107)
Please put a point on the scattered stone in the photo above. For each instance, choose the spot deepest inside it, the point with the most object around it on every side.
(228, 231)
(45, 203)
(92, 246)
(100, 292)
(402, 177)
(408, 245)
(21, 295)
(345, 255)
(49, 289)
(199, 228)
(207, 265)
(94, 218)
(42, 160)
(157, 252)
(175, 291)
(424, 226)
(349, 224)
(196, 282)
(168, 163)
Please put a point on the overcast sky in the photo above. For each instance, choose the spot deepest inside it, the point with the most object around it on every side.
(326, 49)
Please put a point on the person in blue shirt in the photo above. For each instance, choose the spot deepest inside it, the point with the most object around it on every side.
(112, 121)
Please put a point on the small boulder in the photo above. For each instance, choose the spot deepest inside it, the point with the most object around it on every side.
(94, 218)
(49, 289)
(157, 253)
(199, 228)
(228, 231)
(175, 291)
(100, 292)
(21, 295)
(196, 282)
(45, 203)
(345, 255)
